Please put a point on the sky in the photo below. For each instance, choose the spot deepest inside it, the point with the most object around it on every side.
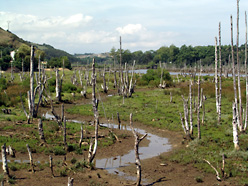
(95, 26)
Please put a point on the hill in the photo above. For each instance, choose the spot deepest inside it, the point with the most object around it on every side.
(10, 40)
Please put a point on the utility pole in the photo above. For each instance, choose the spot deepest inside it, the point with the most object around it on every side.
(8, 24)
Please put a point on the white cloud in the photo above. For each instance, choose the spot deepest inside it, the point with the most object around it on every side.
(130, 29)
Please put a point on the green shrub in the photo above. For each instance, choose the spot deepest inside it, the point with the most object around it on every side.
(59, 151)
(68, 87)
(152, 77)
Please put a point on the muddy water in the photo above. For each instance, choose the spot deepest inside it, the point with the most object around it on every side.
(157, 145)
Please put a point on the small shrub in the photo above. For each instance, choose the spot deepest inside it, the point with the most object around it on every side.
(59, 151)
(63, 172)
(198, 179)
(73, 160)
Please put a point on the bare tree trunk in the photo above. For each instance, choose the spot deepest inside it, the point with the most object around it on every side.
(51, 164)
(190, 110)
(31, 92)
(104, 86)
(30, 159)
(4, 160)
(65, 143)
(171, 97)
(70, 181)
(92, 153)
(238, 66)
(220, 81)
(131, 86)
(57, 88)
(119, 121)
(235, 130)
(81, 136)
(234, 74)
(216, 77)
(186, 116)
(203, 106)
(198, 106)
(246, 77)
(41, 132)
(136, 149)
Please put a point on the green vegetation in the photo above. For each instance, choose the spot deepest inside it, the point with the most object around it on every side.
(149, 105)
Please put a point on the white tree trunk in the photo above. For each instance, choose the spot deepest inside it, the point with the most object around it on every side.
(216, 77)
(246, 77)
(136, 149)
(41, 132)
(30, 158)
(235, 130)
(57, 88)
(4, 160)
(234, 74)
(92, 153)
(190, 109)
(220, 81)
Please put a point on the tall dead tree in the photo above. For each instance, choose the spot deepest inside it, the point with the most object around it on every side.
(235, 130)
(216, 77)
(185, 123)
(33, 109)
(190, 109)
(58, 87)
(198, 104)
(92, 152)
(104, 86)
(41, 132)
(30, 159)
(220, 76)
(246, 77)
(4, 160)
(234, 74)
(136, 149)
(238, 69)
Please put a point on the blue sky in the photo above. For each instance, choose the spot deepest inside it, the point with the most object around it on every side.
(79, 26)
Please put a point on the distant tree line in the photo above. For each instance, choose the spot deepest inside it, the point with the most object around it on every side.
(178, 56)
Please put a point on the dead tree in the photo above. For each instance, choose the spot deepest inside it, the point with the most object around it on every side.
(190, 109)
(59, 119)
(33, 109)
(185, 123)
(198, 104)
(104, 86)
(64, 132)
(203, 98)
(92, 152)
(235, 130)
(4, 160)
(216, 77)
(234, 74)
(136, 149)
(220, 81)
(70, 181)
(131, 85)
(217, 173)
(30, 159)
(51, 164)
(41, 132)
(246, 77)
(58, 87)
(238, 70)
(119, 121)
(81, 136)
